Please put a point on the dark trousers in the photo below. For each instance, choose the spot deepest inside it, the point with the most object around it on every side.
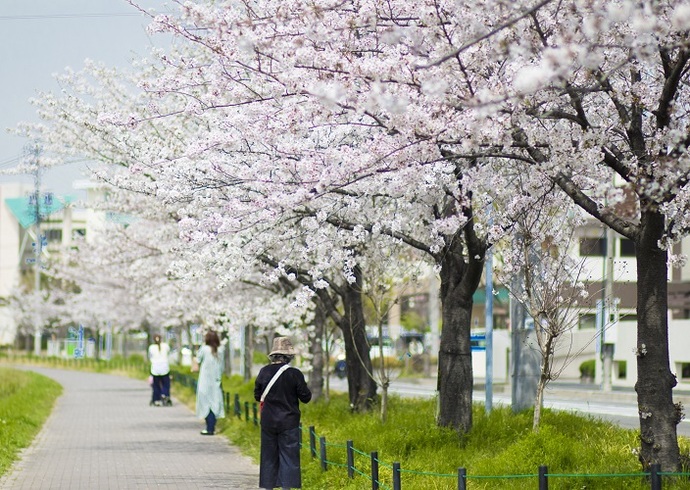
(161, 387)
(280, 465)
(211, 422)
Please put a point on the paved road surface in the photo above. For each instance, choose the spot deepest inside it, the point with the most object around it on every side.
(619, 406)
(103, 434)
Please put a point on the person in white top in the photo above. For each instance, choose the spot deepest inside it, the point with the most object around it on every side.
(160, 371)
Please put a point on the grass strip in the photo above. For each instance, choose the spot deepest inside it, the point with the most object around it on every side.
(501, 452)
(26, 400)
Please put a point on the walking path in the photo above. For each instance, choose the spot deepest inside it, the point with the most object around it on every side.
(102, 434)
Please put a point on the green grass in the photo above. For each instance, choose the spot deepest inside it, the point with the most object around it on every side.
(500, 444)
(26, 400)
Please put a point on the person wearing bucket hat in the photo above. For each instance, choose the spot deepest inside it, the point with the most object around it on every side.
(280, 387)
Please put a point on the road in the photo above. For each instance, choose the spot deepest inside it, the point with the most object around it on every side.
(619, 407)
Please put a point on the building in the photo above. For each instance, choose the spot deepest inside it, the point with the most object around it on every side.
(22, 249)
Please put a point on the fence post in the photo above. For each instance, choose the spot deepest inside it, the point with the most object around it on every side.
(312, 441)
(255, 414)
(322, 445)
(238, 410)
(246, 411)
(226, 398)
(374, 470)
(543, 478)
(462, 479)
(350, 459)
(655, 477)
(396, 476)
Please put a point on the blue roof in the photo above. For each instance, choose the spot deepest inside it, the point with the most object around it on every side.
(24, 210)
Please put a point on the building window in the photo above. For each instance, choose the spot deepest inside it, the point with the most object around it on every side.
(53, 235)
(622, 369)
(685, 370)
(592, 247)
(501, 321)
(628, 317)
(627, 247)
(587, 321)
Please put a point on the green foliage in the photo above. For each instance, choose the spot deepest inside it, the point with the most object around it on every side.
(413, 321)
(26, 400)
(260, 357)
(622, 369)
(587, 368)
(136, 359)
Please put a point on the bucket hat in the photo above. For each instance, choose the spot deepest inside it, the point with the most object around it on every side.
(282, 345)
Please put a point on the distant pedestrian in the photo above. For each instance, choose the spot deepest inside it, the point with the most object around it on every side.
(160, 371)
(209, 393)
(280, 388)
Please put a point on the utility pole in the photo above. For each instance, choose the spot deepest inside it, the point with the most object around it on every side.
(434, 317)
(489, 332)
(38, 246)
(607, 332)
(489, 325)
(525, 357)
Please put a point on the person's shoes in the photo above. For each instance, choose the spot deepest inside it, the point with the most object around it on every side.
(157, 403)
(206, 433)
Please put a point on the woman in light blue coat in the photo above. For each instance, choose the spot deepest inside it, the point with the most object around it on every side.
(209, 394)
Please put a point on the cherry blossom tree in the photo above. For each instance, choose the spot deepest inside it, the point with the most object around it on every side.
(598, 109)
(552, 281)
(378, 118)
(375, 157)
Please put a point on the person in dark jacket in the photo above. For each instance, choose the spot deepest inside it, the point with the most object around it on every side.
(280, 417)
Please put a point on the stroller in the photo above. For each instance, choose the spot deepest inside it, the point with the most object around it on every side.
(161, 391)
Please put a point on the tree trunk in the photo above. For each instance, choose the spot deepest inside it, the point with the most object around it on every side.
(459, 281)
(539, 402)
(658, 415)
(544, 375)
(361, 387)
(316, 379)
(384, 403)
(248, 359)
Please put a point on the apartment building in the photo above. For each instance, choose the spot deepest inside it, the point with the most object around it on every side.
(22, 249)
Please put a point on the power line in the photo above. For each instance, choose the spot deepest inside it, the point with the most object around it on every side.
(10, 162)
(67, 16)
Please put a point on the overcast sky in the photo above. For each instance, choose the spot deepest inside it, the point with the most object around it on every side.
(39, 38)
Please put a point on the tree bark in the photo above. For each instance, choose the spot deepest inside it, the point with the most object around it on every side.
(361, 386)
(459, 281)
(248, 359)
(316, 378)
(658, 415)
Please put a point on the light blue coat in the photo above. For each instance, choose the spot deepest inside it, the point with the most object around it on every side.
(209, 394)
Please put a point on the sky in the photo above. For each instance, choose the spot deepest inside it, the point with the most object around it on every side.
(40, 38)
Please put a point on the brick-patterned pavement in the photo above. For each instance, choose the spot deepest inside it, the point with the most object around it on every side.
(103, 434)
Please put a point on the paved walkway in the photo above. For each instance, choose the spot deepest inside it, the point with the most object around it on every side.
(103, 434)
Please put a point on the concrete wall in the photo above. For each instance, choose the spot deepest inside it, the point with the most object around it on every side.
(625, 349)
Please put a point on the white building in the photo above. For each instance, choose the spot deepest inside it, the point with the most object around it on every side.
(59, 221)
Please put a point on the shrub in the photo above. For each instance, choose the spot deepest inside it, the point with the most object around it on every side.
(587, 368)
